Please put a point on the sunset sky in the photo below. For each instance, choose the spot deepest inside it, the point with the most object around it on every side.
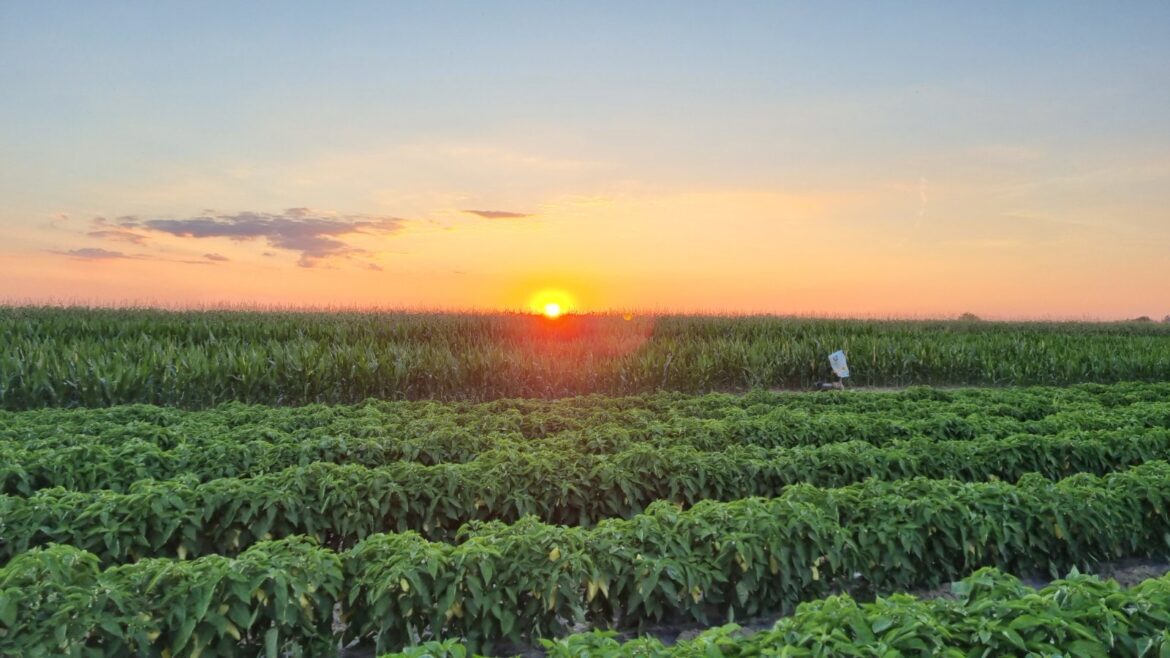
(903, 158)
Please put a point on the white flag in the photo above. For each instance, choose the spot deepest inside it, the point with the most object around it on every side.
(837, 361)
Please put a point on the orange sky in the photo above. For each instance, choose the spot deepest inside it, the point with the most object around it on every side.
(776, 158)
(708, 251)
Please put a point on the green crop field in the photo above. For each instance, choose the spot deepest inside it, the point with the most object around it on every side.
(70, 357)
(281, 484)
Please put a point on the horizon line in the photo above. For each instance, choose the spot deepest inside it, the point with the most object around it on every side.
(308, 309)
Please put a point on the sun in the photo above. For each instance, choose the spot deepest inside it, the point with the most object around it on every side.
(552, 303)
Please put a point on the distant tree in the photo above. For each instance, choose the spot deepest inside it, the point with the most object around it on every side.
(1166, 319)
(968, 317)
(1143, 318)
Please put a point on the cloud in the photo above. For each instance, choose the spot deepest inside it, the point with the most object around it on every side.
(216, 257)
(99, 254)
(93, 253)
(376, 267)
(314, 234)
(118, 235)
(497, 214)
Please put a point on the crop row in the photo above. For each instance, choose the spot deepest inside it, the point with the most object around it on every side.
(78, 357)
(275, 600)
(505, 582)
(97, 454)
(28, 466)
(532, 419)
(455, 444)
(993, 614)
(341, 504)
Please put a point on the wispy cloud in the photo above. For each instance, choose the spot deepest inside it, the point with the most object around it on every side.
(315, 234)
(218, 258)
(93, 253)
(497, 214)
(118, 235)
(97, 254)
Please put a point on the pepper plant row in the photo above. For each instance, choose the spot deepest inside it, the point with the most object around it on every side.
(24, 471)
(743, 558)
(511, 582)
(105, 457)
(340, 504)
(711, 420)
(992, 614)
(274, 600)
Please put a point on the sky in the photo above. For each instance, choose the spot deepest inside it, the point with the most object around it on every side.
(914, 159)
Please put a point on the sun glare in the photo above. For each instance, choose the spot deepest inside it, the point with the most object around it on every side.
(551, 303)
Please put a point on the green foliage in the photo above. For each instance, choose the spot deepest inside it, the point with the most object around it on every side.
(94, 358)
(519, 520)
(340, 505)
(508, 582)
(112, 448)
(746, 557)
(276, 599)
(49, 605)
(993, 615)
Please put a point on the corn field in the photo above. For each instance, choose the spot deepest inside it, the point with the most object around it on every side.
(94, 357)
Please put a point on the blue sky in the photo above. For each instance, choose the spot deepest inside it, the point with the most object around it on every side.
(921, 135)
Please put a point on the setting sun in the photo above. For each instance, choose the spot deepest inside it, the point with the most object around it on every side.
(552, 303)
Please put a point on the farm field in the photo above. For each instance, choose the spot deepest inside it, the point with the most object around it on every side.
(53, 357)
(584, 330)
(183, 515)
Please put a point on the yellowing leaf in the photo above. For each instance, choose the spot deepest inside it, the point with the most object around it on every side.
(554, 554)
